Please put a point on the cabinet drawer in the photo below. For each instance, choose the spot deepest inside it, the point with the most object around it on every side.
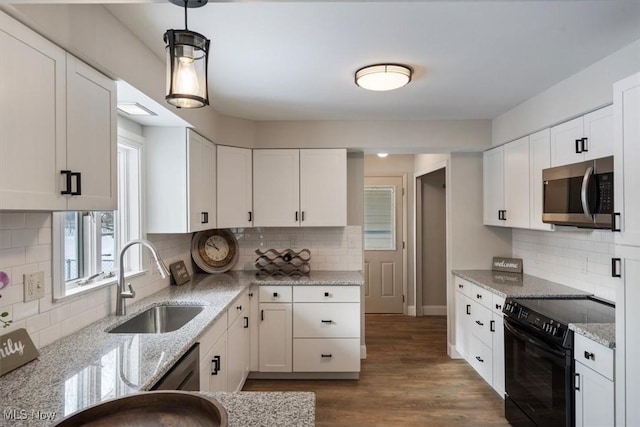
(275, 294)
(238, 307)
(326, 294)
(481, 318)
(594, 355)
(481, 358)
(211, 335)
(463, 286)
(326, 320)
(326, 355)
(497, 303)
(482, 296)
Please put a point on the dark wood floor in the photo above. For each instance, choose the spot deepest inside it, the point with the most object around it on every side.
(406, 380)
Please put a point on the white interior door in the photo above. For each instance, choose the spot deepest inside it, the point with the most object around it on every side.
(383, 244)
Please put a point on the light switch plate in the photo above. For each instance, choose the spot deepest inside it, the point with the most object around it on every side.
(33, 286)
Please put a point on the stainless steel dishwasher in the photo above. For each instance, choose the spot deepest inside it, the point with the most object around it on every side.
(184, 375)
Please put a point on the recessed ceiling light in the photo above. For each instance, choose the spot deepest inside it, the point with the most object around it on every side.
(134, 109)
(383, 155)
(381, 77)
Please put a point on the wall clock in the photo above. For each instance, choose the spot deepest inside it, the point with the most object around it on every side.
(214, 251)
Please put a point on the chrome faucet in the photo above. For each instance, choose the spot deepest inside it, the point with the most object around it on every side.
(121, 308)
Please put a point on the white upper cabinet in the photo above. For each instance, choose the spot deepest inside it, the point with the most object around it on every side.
(626, 160)
(323, 187)
(67, 160)
(539, 159)
(493, 186)
(234, 173)
(276, 188)
(91, 137)
(181, 180)
(516, 183)
(583, 138)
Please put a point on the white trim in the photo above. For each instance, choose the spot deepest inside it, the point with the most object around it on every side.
(411, 310)
(363, 351)
(434, 310)
(453, 352)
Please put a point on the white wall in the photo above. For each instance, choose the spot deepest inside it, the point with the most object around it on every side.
(434, 245)
(585, 91)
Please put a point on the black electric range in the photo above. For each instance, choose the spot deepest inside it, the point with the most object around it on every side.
(539, 366)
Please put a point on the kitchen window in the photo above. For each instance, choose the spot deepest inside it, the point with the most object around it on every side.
(379, 218)
(87, 244)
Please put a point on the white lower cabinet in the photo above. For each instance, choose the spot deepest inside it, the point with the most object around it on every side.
(275, 352)
(479, 331)
(326, 355)
(594, 386)
(213, 356)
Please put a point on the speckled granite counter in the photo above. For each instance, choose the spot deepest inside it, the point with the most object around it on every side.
(518, 285)
(602, 333)
(91, 365)
(268, 409)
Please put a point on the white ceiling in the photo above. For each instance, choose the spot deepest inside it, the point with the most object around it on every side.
(472, 59)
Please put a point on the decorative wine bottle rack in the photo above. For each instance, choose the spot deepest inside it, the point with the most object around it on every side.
(283, 263)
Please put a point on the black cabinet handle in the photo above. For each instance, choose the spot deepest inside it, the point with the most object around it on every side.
(239, 307)
(479, 323)
(326, 355)
(215, 365)
(262, 315)
(504, 215)
(469, 309)
(492, 325)
(498, 307)
(67, 175)
(614, 222)
(303, 215)
(478, 296)
(250, 294)
(615, 267)
(296, 216)
(499, 215)
(78, 177)
(204, 217)
(250, 216)
(576, 383)
(585, 147)
(578, 150)
(246, 322)
(275, 295)
(479, 359)
(588, 355)
(326, 294)
(326, 321)
(460, 285)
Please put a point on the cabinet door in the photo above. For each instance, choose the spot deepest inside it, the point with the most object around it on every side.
(627, 158)
(598, 129)
(463, 323)
(323, 187)
(594, 398)
(33, 119)
(238, 355)
(275, 338)
(254, 318)
(213, 370)
(564, 148)
(493, 186)
(497, 327)
(91, 137)
(539, 159)
(201, 180)
(276, 188)
(234, 184)
(516, 183)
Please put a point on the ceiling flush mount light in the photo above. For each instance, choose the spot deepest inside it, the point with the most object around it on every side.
(187, 58)
(383, 155)
(381, 77)
(135, 109)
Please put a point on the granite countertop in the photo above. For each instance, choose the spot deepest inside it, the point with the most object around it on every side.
(249, 408)
(602, 333)
(334, 278)
(91, 365)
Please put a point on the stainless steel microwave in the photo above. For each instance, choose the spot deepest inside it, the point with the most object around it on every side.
(579, 194)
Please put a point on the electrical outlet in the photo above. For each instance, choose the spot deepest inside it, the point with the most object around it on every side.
(33, 286)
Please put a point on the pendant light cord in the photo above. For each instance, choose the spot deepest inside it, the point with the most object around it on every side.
(185, 14)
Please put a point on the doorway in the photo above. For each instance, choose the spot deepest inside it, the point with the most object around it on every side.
(383, 245)
(431, 243)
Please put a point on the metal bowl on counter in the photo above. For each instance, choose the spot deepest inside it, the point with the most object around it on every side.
(153, 408)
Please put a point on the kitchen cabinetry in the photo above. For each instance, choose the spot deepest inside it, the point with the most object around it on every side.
(594, 387)
(234, 187)
(479, 331)
(213, 356)
(506, 184)
(306, 187)
(539, 159)
(275, 340)
(583, 138)
(180, 174)
(67, 161)
(626, 160)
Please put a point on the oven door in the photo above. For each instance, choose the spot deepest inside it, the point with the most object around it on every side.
(537, 380)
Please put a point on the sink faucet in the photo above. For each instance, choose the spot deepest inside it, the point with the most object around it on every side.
(121, 308)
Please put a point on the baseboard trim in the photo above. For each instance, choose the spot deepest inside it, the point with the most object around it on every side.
(363, 351)
(411, 310)
(434, 310)
(453, 353)
(304, 375)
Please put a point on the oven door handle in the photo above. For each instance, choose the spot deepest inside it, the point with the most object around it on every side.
(537, 343)
(584, 193)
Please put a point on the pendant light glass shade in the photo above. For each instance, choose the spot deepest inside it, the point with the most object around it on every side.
(381, 77)
(187, 58)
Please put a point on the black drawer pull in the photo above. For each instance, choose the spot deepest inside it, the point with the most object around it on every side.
(479, 323)
(239, 308)
(478, 296)
(326, 355)
(479, 359)
(204, 217)
(275, 295)
(492, 326)
(460, 285)
(250, 216)
(262, 315)
(588, 355)
(215, 365)
(615, 267)
(246, 322)
(469, 309)
(327, 321)
(326, 294)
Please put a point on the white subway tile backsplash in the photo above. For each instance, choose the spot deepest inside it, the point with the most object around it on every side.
(5, 239)
(38, 253)
(24, 237)
(38, 220)
(12, 220)
(11, 257)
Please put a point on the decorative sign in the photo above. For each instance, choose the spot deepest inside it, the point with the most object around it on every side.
(16, 349)
(511, 265)
(179, 273)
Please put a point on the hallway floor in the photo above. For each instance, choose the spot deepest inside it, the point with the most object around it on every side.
(406, 380)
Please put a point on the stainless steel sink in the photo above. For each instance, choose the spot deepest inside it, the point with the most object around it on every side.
(159, 319)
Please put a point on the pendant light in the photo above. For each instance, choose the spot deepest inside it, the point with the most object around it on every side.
(382, 77)
(187, 59)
